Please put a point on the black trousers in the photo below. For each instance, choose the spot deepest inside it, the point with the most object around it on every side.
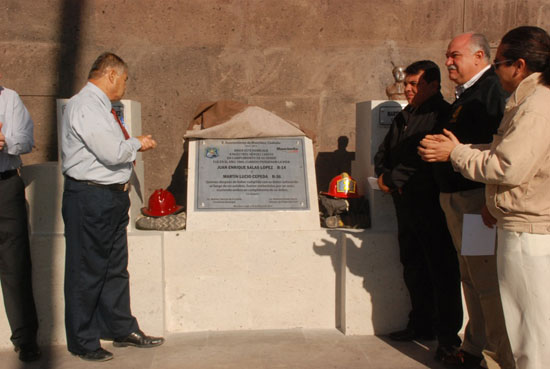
(97, 291)
(15, 262)
(430, 265)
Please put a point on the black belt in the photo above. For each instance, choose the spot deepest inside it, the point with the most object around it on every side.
(120, 187)
(8, 174)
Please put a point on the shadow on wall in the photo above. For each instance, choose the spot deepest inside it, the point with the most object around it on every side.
(370, 257)
(45, 279)
(178, 184)
(43, 183)
(377, 301)
(330, 164)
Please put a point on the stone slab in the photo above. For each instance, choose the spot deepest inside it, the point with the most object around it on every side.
(255, 279)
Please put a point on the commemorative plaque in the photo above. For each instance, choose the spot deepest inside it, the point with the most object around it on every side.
(251, 174)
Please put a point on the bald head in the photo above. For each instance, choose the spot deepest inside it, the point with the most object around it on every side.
(467, 54)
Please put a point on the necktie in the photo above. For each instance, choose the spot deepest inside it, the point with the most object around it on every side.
(124, 131)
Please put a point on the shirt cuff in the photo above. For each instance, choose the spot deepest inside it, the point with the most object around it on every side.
(135, 143)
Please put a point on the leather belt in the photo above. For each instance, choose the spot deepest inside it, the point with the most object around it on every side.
(120, 187)
(8, 174)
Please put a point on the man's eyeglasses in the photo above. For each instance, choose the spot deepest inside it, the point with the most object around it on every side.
(496, 63)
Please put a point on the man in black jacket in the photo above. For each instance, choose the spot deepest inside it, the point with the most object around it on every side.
(430, 266)
(475, 117)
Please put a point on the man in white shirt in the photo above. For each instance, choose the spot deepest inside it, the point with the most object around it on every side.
(16, 138)
(97, 161)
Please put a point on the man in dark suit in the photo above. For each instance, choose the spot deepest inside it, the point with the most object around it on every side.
(474, 118)
(430, 266)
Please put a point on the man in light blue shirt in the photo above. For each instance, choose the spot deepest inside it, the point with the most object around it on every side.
(16, 138)
(97, 161)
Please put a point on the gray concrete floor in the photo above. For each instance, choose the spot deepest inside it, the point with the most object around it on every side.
(268, 349)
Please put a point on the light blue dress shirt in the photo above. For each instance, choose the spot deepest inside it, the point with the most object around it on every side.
(17, 127)
(93, 147)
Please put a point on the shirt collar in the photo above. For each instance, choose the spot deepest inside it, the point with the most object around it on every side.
(102, 96)
(524, 89)
(459, 90)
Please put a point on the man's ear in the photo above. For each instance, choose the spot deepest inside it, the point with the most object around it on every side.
(521, 67)
(480, 55)
(111, 75)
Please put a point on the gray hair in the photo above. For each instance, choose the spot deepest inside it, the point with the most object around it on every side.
(479, 42)
(104, 61)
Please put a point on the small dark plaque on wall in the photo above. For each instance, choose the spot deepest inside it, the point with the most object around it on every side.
(251, 174)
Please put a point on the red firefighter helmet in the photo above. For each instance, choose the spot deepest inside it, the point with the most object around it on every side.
(342, 186)
(161, 203)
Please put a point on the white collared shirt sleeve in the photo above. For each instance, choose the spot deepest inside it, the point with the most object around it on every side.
(18, 126)
(102, 136)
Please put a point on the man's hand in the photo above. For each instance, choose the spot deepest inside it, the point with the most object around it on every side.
(147, 142)
(436, 148)
(2, 138)
(487, 218)
(382, 186)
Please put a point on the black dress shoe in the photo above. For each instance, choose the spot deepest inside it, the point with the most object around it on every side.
(409, 334)
(98, 355)
(460, 359)
(28, 352)
(138, 339)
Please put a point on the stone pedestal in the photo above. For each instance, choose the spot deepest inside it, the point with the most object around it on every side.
(373, 119)
(231, 270)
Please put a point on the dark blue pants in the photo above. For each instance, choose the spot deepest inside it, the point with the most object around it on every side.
(430, 265)
(97, 292)
(15, 262)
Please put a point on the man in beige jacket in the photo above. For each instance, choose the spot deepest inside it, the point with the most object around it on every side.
(516, 170)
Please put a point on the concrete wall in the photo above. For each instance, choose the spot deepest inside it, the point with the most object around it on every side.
(306, 60)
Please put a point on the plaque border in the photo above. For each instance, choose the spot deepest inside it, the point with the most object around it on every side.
(307, 207)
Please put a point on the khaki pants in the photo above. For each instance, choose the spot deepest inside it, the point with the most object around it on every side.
(523, 275)
(485, 332)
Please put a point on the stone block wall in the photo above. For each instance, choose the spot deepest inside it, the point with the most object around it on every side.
(309, 61)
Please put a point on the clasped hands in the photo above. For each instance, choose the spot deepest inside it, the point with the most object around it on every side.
(436, 148)
(433, 148)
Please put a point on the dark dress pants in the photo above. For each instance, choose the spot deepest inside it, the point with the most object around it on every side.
(15, 262)
(97, 292)
(430, 265)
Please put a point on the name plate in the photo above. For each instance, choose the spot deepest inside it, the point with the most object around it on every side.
(251, 174)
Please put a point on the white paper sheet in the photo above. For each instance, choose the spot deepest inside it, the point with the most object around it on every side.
(373, 183)
(477, 238)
